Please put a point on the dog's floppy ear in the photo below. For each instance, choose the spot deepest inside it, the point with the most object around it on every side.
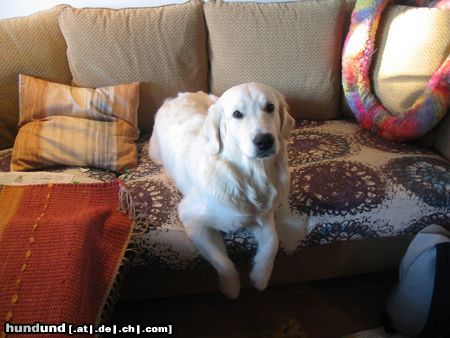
(287, 121)
(211, 129)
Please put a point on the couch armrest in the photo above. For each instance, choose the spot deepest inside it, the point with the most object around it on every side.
(442, 137)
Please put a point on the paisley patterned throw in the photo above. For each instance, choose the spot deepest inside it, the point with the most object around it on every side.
(346, 184)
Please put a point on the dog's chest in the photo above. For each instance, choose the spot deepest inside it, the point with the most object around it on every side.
(241, 211)
(228, 219)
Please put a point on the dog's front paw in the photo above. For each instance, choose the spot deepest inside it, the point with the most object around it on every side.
(230, 285)
(259, 278)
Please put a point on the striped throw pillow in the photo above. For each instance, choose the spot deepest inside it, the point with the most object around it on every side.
(64, 125)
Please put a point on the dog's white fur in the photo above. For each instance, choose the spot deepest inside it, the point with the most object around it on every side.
(225, 181)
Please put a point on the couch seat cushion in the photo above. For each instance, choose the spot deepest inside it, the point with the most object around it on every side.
(347, 185)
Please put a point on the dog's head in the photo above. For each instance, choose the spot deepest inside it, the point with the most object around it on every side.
(252, 118)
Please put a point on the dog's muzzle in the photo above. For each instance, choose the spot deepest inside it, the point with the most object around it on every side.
(265, 145)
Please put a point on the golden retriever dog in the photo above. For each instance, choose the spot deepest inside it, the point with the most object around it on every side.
(228, 158)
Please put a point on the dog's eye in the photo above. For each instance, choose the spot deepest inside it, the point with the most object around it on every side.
(238, 115)
(270, 107)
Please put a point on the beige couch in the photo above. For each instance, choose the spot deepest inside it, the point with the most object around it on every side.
(356, 199)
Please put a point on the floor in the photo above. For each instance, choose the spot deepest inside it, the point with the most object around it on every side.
(324, 309)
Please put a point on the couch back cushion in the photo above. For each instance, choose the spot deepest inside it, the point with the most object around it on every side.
(294, 47)
(32, 45)
(163, 48)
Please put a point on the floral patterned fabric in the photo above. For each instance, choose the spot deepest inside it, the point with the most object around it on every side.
(346, 184)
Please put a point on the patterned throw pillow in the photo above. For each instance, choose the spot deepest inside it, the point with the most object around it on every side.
(64, 125)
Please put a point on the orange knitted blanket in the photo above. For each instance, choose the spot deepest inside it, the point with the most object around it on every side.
(61, 247)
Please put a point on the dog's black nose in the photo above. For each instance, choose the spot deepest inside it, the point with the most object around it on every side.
(263, 141)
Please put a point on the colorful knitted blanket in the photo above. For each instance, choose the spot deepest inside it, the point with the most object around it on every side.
(359, 48)
(61, 247)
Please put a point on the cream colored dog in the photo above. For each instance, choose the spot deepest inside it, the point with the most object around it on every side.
(228, 158)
